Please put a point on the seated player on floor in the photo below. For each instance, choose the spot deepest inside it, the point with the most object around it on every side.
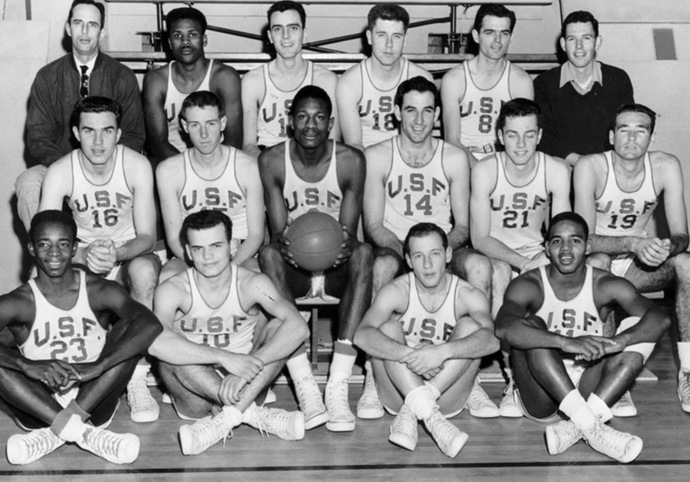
(216, 303)
(426, 332)
(65, 382)
(564, 364)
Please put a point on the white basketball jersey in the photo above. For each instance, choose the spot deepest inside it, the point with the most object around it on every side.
(621, 213)
(519, 212)
(73, 335)
(575, 317)
(301, 196)
(226, 326)
(422, 325)
(479, 111)
(223, 193)
(272, 124)
(173, 105)
(102, 211)
(416, 194)
(376, 106)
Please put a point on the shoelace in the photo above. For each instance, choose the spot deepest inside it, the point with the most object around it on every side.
(207, 430)
(479, 396)
(139, 395)
(685, 385)
(38, 442)
(611, 438)
(369, 395)
(274, 418)
(444, 432)
(103, 442)
(304, 389)
(405, 423)
(568, 431)
(337, 395)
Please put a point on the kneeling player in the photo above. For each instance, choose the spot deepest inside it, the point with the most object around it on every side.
(65, 383)
(553, 319)
(427, 331)
(217, 303)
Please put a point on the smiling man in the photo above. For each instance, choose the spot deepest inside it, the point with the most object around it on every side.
(365, 92)
(553, 319)
(617, 192)
(474, 92)
(267, 91)
(166, 88)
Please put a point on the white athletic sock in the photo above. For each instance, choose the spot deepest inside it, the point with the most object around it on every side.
(599, 407)
(577, 410)
(344, 355)
(299, 366)
(684, 355)
(233, 416)
(435, 391)
(141, 371)
(421, 402)
(368, 367)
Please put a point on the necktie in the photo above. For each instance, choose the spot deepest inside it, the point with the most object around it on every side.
(84, 89)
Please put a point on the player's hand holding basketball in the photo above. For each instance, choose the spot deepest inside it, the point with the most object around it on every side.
(230, 389)
(425, 359)
(345, 249)
(55, 374)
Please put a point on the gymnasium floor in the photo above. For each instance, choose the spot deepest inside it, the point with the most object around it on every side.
(497, 450)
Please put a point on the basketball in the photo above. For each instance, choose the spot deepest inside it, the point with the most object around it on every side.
(315, 240)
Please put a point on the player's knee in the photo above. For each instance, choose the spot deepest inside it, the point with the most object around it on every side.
(502, 271)
(362, 256)
(599, 260)
(681, 266)
(30, 181)
(477, 266)
(143, 271)
(385, 267)
(270, 257)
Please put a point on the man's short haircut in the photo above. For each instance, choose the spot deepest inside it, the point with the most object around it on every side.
(495, 10)
(388, 11)
(185, 13)
(284, 6)
(567, 216)
(418, 84)
(52, 216)
(99, 6)
(640, 109)
(201, 99)
(96, 105)
(580, 16)
(518, 107)
(206, 219)
(420, 230)
(311, 92)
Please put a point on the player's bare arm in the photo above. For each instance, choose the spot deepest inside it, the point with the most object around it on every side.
(172, 170)
(253, 90)
(456, 165)
(452, 92)
(351, 177)
(667, 169)
(378, 158)
(558, 185)
(272, 171)
(225, 82)
(521, 84)
(154, 91)
(250, 181)
(348, 93)
(327, 80)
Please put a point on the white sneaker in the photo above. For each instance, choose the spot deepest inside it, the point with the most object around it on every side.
(340, 417)
(25, 448)
(310, 402)
(166, 398)
(286, 425)
(369, 406)
(142, 407)
(624, 407)
(684, 390)
(562, 435)
(508, 406)
(403, 430)
(620, 446)
(204, 433)
(113, 447)
(449, 438)
(270, 397)
(480, 404)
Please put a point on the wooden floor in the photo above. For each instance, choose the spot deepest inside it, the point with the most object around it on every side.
(497, 450)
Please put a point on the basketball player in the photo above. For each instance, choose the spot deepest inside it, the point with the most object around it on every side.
(553, 319)
(165, 88)
(414, 176)
(109, 189)
(210, 175)
(65, 381)
(474, 91)
(311, 171)
(267, 91)
(427, 331)
(365, 92)
(617, 192)
(217, 303)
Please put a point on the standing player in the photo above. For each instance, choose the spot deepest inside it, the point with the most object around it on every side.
(59, 85)
(308, 172)
(474, 92)
(579, 98)
(553, 320)
(365, 92)
(166, 88)
(617, 192)
(217, 303)
(414, 176)
(267, 91)
(210, 175)
(427, 331)
(64, 383)
(109, 189)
